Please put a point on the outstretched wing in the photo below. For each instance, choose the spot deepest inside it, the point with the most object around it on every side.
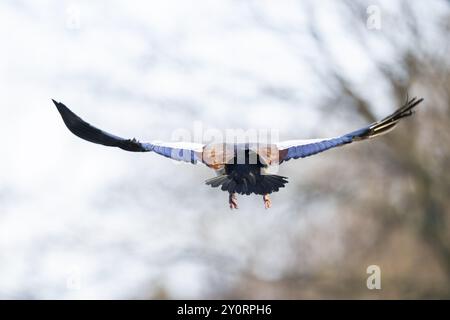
(182, 151)
(295, 149)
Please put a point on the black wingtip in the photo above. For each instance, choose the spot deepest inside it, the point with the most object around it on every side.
(58, 105)
(64, 111)
(408, 108)
(69, 118)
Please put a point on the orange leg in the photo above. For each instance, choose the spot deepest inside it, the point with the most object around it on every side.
(232, 200)
(267, 202)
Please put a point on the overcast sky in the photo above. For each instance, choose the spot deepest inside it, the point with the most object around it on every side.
(78, 220)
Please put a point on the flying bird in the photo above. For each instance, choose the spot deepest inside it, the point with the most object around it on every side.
(241, 168)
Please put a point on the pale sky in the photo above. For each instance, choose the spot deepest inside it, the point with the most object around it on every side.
(78, 220)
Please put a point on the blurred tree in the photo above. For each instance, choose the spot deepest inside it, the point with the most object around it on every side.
(393, 195)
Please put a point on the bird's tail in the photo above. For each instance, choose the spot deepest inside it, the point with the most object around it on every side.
(263, 184)
(270, 183)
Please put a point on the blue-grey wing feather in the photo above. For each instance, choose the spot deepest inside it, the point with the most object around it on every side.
(303, 148)
(82, 129)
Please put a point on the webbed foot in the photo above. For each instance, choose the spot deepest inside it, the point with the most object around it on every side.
(267, 202)
(232, 200)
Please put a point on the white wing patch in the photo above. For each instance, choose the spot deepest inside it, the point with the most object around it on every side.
(294, 143)
(197, 147)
